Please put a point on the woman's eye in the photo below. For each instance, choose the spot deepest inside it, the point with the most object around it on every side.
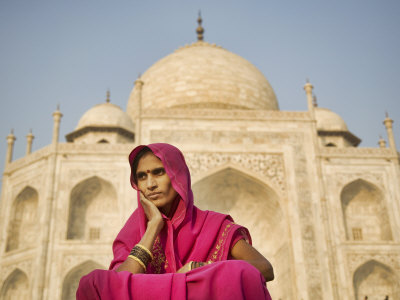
(159, 171)
(141, 176)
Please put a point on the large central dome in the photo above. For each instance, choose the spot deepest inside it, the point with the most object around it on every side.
(203, 75)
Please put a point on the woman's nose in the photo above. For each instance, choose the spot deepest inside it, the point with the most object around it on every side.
(151, 182)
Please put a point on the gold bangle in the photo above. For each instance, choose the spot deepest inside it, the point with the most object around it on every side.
(191, 265)
(138, 260)
(145, 249)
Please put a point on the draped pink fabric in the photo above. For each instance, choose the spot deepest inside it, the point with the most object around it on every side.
(190, 234)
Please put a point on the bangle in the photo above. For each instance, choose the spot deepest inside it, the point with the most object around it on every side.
(142, 255)
(145, 249)
(138, 260)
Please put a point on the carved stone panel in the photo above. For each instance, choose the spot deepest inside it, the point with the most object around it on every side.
(269, 166)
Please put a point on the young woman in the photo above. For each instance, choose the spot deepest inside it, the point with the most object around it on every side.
(170, 249)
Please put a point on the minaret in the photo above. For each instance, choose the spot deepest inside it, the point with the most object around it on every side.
(200, 29)
(10, 146)
(381, 142)
(388, 124)
(138, 128)
(108, 96)
(56, 128)
(315, 103)
(308, 87)
(29, 139)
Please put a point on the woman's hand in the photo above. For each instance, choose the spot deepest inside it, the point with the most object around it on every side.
(152, 213)
(155, 224)
(192, 265)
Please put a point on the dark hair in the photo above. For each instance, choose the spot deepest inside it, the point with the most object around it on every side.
(136, 160)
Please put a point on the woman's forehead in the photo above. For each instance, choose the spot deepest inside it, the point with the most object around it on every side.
(149, 161)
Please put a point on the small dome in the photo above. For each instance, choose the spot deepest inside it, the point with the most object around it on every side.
(327, 120)
(203, 75)
(106, 115)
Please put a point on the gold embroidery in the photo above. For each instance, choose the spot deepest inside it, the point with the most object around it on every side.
(159, 262)
(221, 245)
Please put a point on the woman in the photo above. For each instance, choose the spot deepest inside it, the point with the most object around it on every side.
(185, 253)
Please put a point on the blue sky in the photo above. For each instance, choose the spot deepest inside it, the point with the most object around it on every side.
(70, 52)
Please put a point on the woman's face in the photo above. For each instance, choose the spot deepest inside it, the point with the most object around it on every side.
(154, 183)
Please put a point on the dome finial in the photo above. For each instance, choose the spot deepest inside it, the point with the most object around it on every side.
(108, 96)
(200, 29)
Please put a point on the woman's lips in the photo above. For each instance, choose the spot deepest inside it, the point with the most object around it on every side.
(153, 196)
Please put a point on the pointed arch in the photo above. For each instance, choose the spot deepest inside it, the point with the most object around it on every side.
(16, 286)
(257, 206)
(375, 280)
(24, 219)
(92, 201)
(71, 280)
(364, 212)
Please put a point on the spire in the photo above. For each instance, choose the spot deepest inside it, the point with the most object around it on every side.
(10, 146)
(56, 127)
(308, 87)
(138, 122)
(29, 139)
(388, 122)
(381, 142)
(315, 104)
(200, 29)
(138, 82)
(108, 96)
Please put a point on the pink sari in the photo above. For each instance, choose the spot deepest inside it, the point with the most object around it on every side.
(189, 235)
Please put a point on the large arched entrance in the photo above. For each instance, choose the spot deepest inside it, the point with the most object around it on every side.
(93, 201)
(375, 281)
(23, 224)
(364, 212)
(16, 286)
(256, 206)
(71, 281)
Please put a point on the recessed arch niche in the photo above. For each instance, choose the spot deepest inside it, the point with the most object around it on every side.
(16, 286)
(364, 212)
(376, 281)
(71, 280)
(23, 224)
(93, 211)
(256, 206)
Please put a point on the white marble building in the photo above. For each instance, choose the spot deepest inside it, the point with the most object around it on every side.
(325, 212)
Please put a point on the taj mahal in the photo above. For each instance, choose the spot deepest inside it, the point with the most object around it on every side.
(324, 211)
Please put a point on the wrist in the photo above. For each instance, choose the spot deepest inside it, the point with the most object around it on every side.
(155, 224)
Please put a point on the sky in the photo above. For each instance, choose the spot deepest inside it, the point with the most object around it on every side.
(69, 53)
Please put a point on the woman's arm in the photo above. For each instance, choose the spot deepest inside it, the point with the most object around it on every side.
(244, 251)
(154, 225)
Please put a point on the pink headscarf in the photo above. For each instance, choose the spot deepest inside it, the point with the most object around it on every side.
(190, 234)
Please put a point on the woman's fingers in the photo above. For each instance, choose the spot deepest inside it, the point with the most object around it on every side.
(149, 208)
(193, 265)
(185, 268)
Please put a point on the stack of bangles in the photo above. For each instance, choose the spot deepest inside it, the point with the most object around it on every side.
(142, 255)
